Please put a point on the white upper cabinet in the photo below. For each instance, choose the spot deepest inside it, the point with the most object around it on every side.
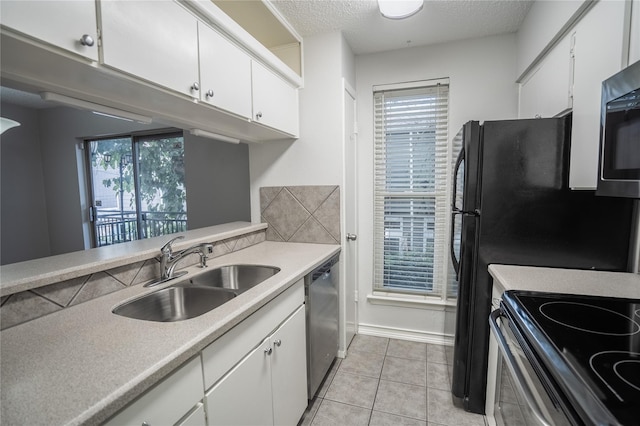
(598, 55)
(634, 45)
(547, 90)
(154, 40)
(567, 75)
(70, 25)
(275, 102)
(225, 73)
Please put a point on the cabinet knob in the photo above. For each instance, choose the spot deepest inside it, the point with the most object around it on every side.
(209, 93)
(195, 86)
(86, 40)
(145, 424)
(268, 351)
(277, 342)
(259, 115)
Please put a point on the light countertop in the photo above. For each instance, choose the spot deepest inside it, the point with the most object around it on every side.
(570, 281)
(36, 273)
(82, 364)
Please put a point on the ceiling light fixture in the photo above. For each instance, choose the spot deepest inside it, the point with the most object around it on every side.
(96, 108)
(399, 9)
(6, 124)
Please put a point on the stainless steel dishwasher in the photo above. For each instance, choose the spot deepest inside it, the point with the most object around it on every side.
(321, 299)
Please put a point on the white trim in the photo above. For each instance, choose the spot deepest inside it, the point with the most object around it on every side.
(405, 334)
(415, 301)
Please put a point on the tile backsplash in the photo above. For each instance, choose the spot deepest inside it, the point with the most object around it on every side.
(28, 305)
(301, 214)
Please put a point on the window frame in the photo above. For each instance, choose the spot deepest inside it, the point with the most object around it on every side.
(440, 193)
(135, 139)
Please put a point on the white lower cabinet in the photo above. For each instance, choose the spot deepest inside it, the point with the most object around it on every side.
(167, 402)
(267, 383)
(256, 374)
(271, 380)
(196, 417)
(289, 370)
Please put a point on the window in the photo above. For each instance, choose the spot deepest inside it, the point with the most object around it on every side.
(412, 161)
(138, 188)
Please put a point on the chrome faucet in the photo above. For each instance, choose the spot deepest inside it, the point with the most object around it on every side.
(169, 259)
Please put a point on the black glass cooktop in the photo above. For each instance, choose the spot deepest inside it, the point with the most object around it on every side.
(589, 345)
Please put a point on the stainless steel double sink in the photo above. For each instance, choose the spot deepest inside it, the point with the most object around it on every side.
(203, 293)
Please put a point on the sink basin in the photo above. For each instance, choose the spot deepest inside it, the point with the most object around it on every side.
(235, 277)
(175, 303)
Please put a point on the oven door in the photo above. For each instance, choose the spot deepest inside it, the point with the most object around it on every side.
(521, 397)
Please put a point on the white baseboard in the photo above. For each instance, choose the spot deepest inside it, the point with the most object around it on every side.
(405, 334)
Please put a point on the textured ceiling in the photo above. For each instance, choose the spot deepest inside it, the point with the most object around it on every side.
(367, 31)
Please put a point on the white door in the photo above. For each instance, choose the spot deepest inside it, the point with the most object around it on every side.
(350, 252)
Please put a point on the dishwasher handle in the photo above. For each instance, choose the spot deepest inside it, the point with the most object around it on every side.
(514, 368)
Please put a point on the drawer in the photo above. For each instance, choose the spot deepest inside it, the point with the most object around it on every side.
(168, 401)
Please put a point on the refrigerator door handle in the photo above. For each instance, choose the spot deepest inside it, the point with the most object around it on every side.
(455, 180)
(454, 260)
(455, 211)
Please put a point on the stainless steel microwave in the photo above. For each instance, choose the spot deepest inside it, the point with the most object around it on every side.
(619, 162)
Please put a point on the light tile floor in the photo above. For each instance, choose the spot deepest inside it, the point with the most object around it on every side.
(388, 382)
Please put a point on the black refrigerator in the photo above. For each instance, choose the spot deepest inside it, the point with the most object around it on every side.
(512, 205)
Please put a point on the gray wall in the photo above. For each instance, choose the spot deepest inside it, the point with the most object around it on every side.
(23, 212)
(52, 195)
(217, 181)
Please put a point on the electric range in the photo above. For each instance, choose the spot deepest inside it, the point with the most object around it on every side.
(587, 349)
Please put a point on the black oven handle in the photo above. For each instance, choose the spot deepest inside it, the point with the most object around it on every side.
(514, 368)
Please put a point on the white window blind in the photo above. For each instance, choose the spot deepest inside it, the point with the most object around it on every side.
(412, 162)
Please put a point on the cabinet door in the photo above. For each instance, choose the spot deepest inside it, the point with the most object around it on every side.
(167, 402)
(154, 40)
(195, 418)
(289, 370)
(243, 396)
(225, 73)
(63, 24)
(546, 93)
(275, 103)
(598, 55)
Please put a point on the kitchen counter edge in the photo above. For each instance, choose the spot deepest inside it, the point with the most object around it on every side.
(570, 281)
(36, 358)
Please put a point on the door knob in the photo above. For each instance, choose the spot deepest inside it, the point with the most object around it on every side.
(352, 237)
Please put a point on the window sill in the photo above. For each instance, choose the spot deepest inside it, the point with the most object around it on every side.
(409, 301)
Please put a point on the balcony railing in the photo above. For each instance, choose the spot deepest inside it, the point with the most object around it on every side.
(119, 227)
